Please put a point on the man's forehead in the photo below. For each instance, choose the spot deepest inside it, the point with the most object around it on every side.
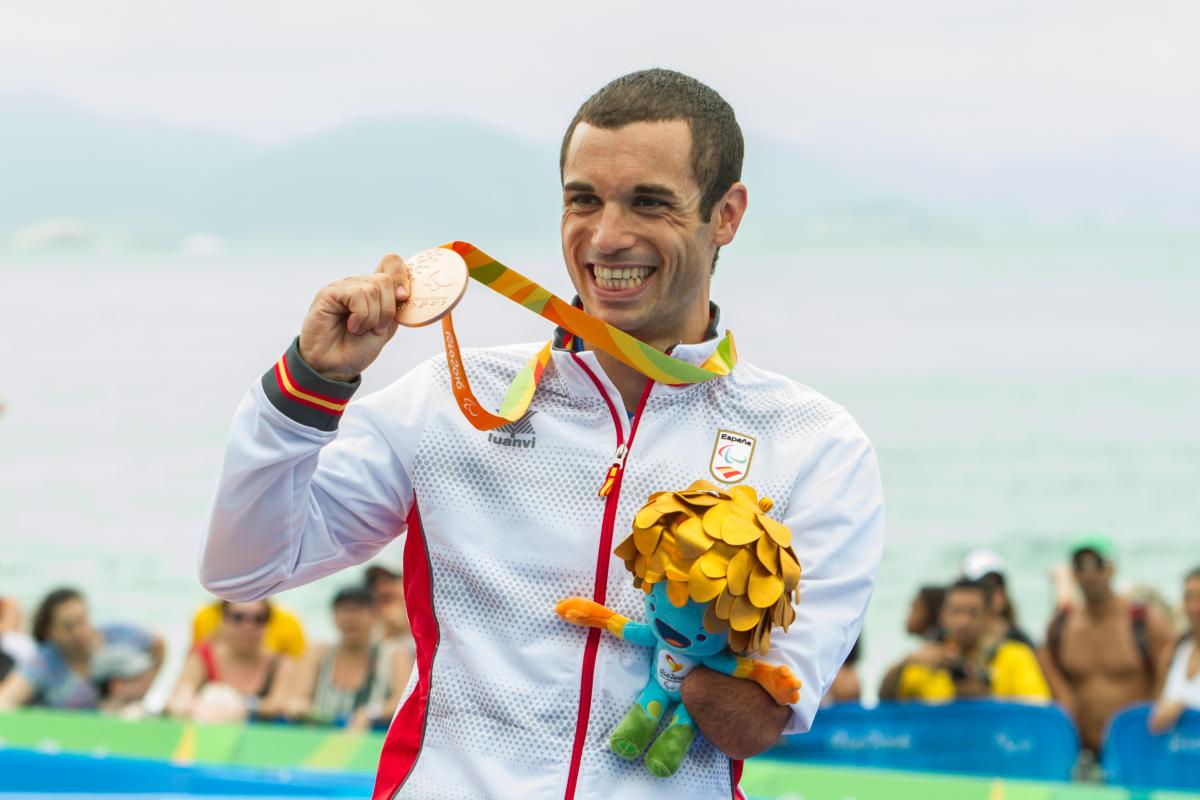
(646, 154)
(964, 595)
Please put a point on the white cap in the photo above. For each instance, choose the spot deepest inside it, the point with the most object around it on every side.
(120, 661)
(978, 563)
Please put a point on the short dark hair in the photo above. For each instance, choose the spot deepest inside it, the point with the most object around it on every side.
(43, 618)
(932, 597)
(354, 595)
(968, 585)
(659, 95)
(1195, 573)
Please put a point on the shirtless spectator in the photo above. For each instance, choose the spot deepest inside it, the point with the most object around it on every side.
(1106, 654)
(964, 665)
(1182, 688)
(59, 675)
(387, 588)
(987, 567)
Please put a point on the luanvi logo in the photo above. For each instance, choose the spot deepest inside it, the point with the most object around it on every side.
(515, 434)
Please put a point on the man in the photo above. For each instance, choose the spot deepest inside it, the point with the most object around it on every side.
(510, 701)
(964, 665)
(988, 567)
(1109, 653)
(60, 675)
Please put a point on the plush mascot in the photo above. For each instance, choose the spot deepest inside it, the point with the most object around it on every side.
(718, 574)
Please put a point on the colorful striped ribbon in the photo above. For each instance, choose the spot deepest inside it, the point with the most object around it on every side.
(650, 361)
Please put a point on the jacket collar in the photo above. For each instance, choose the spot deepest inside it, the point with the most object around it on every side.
(713, 332)
(579, 382)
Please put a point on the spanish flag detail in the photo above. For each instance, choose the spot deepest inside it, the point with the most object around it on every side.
(303, 395)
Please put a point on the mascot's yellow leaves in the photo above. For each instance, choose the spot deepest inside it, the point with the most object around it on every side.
(718, 547)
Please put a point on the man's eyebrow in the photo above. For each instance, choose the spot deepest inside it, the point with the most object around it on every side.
(654, 189)
(578, 186)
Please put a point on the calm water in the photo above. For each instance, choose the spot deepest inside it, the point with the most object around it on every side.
(1016, 396)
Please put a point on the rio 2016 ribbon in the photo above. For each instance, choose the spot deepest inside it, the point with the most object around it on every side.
(651, 362)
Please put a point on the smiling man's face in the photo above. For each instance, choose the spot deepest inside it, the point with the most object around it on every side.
(635, 245)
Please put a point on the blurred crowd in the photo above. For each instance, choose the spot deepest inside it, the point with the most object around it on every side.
(247, 660)
(1101, 652)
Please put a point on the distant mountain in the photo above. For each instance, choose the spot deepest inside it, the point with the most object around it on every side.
(73, 179)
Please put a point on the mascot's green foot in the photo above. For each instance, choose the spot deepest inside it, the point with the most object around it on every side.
(630, 737)
(668, 750)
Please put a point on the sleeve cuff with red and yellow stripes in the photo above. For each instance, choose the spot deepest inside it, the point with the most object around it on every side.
(302, 395)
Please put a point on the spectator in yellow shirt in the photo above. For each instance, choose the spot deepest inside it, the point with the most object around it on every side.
(283, 635)
(964, 664)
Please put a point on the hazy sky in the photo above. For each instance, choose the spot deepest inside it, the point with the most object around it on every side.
(974, 81)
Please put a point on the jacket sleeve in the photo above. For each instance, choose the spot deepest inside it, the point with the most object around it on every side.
(310, 484)
(835, 513)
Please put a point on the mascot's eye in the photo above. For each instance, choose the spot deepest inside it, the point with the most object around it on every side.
(700, 637)
(652, 606)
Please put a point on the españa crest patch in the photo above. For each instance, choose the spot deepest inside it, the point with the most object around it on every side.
(731, 456)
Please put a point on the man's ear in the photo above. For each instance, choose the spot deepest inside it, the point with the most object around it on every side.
(727, 214)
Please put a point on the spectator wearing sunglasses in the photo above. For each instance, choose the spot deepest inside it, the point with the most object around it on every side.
(234, 665)
(284, 633)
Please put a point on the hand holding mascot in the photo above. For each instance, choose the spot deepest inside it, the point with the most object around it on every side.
(718, 574)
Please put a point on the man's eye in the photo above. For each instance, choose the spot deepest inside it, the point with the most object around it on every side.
(583, 200)
(649, 202)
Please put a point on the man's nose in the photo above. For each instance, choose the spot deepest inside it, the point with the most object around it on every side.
(612, 233)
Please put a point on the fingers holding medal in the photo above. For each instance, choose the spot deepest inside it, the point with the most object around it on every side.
(437, 281)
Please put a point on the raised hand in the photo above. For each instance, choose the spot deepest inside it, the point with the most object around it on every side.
(351, 320)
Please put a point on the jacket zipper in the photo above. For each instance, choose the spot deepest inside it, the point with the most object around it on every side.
(611, 491)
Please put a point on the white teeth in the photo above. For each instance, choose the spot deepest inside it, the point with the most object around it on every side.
(616, 278)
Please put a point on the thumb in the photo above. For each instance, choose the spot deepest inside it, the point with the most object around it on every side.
(394, 266)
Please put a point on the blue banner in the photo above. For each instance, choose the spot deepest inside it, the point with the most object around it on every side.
(28, 771)
(972, 737)
(1135, 757)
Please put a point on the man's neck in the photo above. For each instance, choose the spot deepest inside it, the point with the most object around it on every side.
(1103, 606)
(629, 382)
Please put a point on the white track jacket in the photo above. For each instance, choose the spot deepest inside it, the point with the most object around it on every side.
(507, 700)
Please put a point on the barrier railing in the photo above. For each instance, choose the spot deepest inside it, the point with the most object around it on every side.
(970, 737)
(1132, 756)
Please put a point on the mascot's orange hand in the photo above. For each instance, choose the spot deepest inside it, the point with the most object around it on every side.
(581, 611)
(778, 680)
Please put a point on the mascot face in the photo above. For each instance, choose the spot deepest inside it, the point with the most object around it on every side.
(681, 628)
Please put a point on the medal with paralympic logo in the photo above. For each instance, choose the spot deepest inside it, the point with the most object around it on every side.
(438, 280)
